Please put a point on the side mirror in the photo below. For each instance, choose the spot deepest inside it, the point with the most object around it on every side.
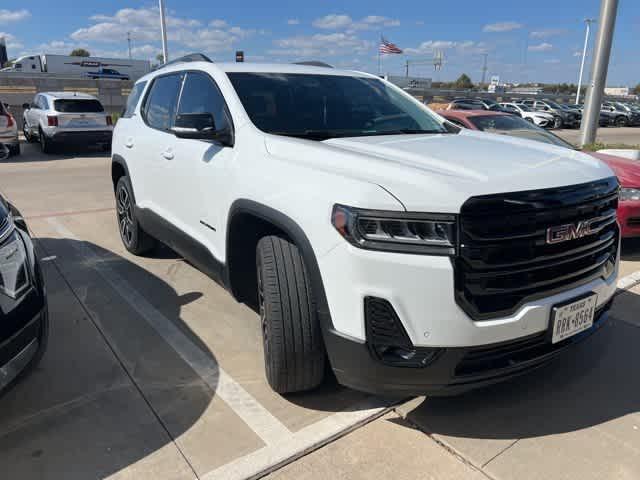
(26, 106)
(201, 126)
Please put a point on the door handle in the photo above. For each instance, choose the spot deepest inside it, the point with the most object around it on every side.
(129, 143)
(168, 154)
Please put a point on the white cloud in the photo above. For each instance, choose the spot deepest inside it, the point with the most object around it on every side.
(11, 41)
(345, 22)
(542, 47)
(464, 47)
(10, 16)
(502, 27)
(320, 45)
(419, 22)
(293, 21)
(552, 61)
(183, 33)
(549, 32)
(333, 22)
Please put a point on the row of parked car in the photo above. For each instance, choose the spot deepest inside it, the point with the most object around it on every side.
(550, 114)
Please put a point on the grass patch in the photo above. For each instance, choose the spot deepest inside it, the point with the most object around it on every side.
(594, 147)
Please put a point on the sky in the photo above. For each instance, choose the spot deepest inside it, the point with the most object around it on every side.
(524, 41)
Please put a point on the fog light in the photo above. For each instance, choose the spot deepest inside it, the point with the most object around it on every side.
(404, 357)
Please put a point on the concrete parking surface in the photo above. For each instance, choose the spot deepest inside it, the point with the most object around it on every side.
(154, 371)
(610, 135)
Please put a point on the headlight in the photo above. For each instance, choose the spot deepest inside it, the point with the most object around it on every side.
(430, 234)
(14, 274)
(627, 194)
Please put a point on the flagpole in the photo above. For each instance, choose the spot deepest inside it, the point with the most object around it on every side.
(379, 55)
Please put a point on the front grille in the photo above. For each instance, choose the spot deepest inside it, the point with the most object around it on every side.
(509, 355)
(504, 259)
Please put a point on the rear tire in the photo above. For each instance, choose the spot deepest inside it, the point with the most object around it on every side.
(133, 237)
(294, 353)
(621, 122)
(557, 122)
(45, 144)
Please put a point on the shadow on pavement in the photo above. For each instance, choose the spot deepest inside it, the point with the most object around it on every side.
(630, 250)
(31, 153)
(594, 382)
(79, 415)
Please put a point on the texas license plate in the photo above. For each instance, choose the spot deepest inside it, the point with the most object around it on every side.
(572, 318)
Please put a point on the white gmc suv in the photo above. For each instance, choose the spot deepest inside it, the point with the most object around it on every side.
(417, 256)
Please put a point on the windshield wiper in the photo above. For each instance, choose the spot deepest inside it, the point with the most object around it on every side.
(406, 131)
(318, 134)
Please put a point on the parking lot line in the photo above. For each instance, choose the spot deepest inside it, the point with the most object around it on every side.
(272, 457)
(259, 419)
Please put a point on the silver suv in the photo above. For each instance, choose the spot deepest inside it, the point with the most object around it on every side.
(58, 118)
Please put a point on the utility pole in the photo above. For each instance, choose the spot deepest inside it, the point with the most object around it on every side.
(588, 21)
(601, 54)
(129, 43)
(484, 68)
(406, 72)
(163, 29)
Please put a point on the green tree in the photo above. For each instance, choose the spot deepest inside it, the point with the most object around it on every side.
(160, 58)
(636, 89)
(80, 52)
(464, 82)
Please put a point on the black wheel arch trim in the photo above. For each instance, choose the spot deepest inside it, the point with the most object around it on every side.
(297, 235)
(119, 160)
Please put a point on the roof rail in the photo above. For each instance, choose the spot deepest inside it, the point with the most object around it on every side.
(314, 63)
(192, 57)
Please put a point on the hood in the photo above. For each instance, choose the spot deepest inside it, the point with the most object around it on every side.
(627, 171)
(438, 173)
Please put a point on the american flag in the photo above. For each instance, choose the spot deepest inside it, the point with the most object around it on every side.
(386, 47)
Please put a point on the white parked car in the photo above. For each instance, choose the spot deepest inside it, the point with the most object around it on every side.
(541, 119)
(9, 131)
(62, 118)
(418, 256)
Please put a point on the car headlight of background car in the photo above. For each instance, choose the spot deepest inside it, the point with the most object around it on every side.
(627, 194)
(401, 232)
(14, 270)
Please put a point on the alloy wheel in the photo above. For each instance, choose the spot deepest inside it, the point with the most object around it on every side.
(125, 215)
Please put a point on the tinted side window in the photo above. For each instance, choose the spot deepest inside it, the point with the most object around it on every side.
(132, 100)
(201, 95)
(161, 103)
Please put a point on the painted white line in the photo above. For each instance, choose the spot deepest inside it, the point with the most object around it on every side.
(258, 418)
(272, 457)
(630, 281)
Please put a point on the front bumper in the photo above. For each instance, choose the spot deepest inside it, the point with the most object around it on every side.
(629, 218)
(23, 349)
(454, 371)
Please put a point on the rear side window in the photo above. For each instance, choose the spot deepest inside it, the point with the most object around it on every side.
(162, 101)
(77, 106)
(132, 100)
(201, 95)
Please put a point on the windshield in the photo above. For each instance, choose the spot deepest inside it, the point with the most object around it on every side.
(319, 107)
(524, 108)
(78, 106)
(553, 104)
(516, 127)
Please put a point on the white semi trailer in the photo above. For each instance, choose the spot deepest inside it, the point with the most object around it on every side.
(87, 67)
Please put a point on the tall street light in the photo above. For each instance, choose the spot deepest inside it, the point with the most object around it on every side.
(163, 29)
(601, 55)
(588, 21)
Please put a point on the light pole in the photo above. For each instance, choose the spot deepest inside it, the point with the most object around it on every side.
(599, 69)
(129, 43)
(588, 21)
(163, 29)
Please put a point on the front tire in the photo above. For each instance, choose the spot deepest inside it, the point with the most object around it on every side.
(294, 353)
(557, 122)
(27, 135)
(621, 122)
(133, 237)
